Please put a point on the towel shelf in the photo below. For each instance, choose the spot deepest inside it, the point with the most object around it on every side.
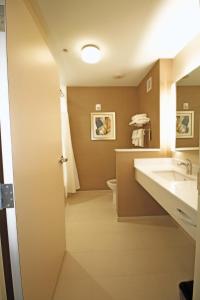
(148, 130)
(138, 140)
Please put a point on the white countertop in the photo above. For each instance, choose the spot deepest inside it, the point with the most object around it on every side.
(184, 190)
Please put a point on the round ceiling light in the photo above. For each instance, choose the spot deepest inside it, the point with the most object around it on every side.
(90, 54)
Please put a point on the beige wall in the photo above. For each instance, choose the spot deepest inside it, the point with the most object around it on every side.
(193, 155)
(96, 159)
(190, 94)
(132, 199)
(187, 60)
(34, 109)
(150, 103)
(125, 101)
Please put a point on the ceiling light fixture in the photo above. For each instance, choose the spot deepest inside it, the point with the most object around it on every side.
(90, 54)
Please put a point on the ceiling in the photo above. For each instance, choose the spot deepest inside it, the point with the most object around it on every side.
(132, 35)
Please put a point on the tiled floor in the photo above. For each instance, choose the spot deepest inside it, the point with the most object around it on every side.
(133, 260)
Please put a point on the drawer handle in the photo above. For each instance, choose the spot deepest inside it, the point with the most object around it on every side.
(185, 218)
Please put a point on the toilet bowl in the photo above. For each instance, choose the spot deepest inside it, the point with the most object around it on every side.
(112, 184)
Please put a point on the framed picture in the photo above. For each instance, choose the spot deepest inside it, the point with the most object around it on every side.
(184, 124)
(103, 126)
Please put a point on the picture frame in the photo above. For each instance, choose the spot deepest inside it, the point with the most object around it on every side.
(184, 124)
(103, 126)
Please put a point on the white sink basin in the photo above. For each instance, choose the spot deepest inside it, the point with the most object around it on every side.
(173, 189)
(172, 175)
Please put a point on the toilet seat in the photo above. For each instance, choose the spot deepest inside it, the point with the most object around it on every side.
(112, 184)
(112, 181)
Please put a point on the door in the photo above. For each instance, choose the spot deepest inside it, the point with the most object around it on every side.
(35, 151)
(31, 147)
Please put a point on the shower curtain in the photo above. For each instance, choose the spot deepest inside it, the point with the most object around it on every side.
(70, 174)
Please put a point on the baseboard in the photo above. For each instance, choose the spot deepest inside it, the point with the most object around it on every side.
(124, 219)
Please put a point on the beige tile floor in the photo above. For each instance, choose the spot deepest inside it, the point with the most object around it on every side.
(109, 260)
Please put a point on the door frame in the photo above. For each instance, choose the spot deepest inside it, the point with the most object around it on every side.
(3, 293)
(7, 165)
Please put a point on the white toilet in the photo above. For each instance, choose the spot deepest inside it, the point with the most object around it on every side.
(112, 184)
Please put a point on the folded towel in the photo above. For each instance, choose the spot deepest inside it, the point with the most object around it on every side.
(140, 121)
(138, 116)
(134, 134)
(135, 117)
(138, 137)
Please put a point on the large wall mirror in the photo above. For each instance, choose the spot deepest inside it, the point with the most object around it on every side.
(188, 111)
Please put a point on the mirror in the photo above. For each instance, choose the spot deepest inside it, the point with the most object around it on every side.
(188, 110)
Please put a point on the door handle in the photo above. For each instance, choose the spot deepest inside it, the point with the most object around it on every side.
(62, 160)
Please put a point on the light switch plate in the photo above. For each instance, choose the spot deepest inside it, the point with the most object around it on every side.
(186, 105)
(98, 107)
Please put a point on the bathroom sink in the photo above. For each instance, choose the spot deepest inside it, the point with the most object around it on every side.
(172, 188)
(172, 175)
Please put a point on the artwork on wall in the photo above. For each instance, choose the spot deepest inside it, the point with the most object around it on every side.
(184, 124)
(103, 126)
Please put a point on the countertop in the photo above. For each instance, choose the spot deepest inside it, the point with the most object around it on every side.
(184, 190)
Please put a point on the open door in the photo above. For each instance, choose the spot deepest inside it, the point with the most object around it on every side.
(31, 152)
(31, 148)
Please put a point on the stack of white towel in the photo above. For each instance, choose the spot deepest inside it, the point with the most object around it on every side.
(139, 120)
(138, 137)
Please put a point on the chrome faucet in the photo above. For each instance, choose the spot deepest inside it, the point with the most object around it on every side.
(188, 164)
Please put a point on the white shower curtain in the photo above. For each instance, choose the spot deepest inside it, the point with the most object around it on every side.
(70, 174)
